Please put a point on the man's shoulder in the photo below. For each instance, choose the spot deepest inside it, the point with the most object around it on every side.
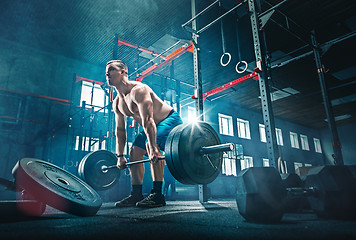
(140, 88)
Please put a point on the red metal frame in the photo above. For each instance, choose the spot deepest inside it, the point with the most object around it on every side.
(180, 51)
(142, 49)
(88, 80)
(228, 85)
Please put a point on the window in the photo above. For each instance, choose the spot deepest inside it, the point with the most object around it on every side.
(304, 142)
(246, 162)
(294, 140)
(265, 162)
(243, 128)
(93, 95)
(229, 164)
(262, 129)
(95, 144)
(284, 166)
(225, 125)
(279, 136)
(192, 117)
(297, 165)
(317, 145)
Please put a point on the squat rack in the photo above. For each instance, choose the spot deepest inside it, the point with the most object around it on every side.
(263, 73)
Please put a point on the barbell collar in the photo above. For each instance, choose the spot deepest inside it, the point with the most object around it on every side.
(217, 148)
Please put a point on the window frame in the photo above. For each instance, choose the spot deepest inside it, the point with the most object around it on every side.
(246, 128)
(294, 140)
(230, 128)
(304, 142)
(317, 145)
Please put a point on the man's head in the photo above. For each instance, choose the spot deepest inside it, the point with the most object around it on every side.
(115, 70)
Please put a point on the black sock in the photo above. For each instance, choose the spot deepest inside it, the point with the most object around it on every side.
(136, 190)
(157, 187)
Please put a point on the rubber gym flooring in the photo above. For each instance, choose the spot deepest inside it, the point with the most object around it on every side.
(215, 219)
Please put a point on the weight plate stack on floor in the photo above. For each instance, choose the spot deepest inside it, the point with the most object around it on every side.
(56, 187)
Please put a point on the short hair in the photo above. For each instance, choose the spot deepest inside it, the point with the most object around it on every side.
(120, 64)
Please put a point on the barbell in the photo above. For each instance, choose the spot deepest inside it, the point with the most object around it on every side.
(193, 153)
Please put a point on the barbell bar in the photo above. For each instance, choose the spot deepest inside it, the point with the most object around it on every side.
(193, 153)
(203, 150)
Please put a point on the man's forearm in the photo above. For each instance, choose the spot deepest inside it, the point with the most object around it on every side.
(151, 133)
(120, 141)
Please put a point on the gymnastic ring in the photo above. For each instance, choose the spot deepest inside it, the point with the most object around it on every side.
(236, 68)
(221, 59)
(70, 164)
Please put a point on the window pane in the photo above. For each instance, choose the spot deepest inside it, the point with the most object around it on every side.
(225, 124)
(262, 132)
(294, 140)
(243, 128)
(304, 142)
(317, 145)
(279, 137)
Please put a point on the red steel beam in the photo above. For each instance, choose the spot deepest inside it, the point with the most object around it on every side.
(180, 51)
(88, 80)
(228, 85)
(142, 49)
(35, 95)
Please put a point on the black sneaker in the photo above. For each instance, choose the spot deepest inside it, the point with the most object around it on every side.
(130, 201)
(152, 200)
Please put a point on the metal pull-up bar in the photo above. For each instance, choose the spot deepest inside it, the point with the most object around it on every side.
(213, 22)
(155, 58)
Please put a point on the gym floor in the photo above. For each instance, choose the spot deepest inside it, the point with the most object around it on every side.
(216, 219)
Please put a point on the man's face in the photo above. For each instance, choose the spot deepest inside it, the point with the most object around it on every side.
(113, 74)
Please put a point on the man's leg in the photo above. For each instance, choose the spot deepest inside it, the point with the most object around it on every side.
(137, 172)
(156, 198)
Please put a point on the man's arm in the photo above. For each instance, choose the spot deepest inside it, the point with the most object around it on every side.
(141, 96)
(120, 133)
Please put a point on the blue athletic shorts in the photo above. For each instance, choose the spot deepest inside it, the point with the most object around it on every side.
(163, 129)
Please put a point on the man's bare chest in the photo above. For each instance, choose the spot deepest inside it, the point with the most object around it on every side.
(126, 106)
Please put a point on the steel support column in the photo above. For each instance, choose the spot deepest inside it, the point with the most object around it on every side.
(110, 143)
(264, 76)
(338, 160)
(198, 87)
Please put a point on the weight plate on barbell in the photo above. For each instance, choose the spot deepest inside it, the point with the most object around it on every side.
(187, 141)
(91, 170)
(175, 166)
(56, 187)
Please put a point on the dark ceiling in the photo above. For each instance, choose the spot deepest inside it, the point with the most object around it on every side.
(85, 30)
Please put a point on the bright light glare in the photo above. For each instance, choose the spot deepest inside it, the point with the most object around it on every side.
(192, 118)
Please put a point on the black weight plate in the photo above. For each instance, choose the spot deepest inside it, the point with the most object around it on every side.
(199, 168)
(90, 170)
(19, 208)
(56, 187)
(174, 166)
(177, 161)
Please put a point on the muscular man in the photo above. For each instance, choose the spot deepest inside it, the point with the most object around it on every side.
(137, 100)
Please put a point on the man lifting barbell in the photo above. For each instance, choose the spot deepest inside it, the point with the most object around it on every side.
(137, 100)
